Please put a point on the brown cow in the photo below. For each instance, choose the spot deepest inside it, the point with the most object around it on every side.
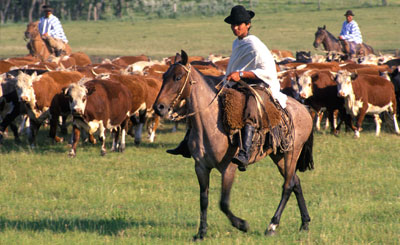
(144, 90)
(367, 94)
(100, 105)
(37, 93)
(124, 61)
(81, 59)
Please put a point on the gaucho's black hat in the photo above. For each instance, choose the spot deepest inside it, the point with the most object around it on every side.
(239, 15)
(47, 8)
(349, 12)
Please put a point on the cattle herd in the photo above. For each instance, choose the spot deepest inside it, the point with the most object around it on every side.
(116, 96)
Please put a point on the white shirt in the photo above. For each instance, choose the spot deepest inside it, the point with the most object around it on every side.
(53, 27)
(351, 32)
(251, 54)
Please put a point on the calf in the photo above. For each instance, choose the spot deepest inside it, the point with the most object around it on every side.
(367, 94)
(99, 105)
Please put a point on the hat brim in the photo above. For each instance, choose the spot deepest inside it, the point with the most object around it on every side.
(229, 19)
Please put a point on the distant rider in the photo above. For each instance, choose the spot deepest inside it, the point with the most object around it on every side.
(52, 32)
(351, 32)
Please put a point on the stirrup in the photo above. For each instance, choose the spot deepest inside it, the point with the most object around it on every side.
(241, 161)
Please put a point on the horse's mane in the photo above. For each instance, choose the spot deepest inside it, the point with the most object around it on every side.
(331, 36)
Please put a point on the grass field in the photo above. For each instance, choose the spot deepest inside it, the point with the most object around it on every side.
(145, 196)
(160, 38)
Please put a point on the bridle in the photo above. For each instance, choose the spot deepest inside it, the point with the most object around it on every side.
(178, 96)
(188, 69)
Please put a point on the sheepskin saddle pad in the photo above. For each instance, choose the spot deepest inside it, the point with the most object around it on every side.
(234, 102)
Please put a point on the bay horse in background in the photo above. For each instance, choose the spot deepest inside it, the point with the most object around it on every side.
(210, 147)
(38, 47)
(331, 43)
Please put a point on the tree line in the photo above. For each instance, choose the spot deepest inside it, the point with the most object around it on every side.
(93, 10)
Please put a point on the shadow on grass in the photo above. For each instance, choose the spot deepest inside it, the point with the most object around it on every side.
(106, 227)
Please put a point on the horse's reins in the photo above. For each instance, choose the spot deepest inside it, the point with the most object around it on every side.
(178, 96)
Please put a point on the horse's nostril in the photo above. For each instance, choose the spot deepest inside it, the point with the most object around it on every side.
(160, 107)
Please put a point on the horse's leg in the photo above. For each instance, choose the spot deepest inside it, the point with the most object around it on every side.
(282, 162)
(305, 217)
(287, 167)
(227, 180)
(203, 176)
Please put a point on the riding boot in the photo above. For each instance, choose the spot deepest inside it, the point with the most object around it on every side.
(183, 148)
(242, 158)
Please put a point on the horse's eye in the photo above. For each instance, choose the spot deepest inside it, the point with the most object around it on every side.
(178, 77)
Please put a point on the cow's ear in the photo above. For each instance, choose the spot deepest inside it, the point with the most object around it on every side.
(64, 90)
(353, 75)
(90, 89)
(184, 58)
(34, 76)
(314, 77)
(333, 75)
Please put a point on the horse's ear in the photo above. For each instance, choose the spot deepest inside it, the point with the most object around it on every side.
(184, 57)
(324, 27)
(177, 58)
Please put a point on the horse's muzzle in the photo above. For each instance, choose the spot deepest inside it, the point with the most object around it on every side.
(161, 109)
(315, 44)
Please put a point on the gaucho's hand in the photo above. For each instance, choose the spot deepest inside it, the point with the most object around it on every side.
(234, 76)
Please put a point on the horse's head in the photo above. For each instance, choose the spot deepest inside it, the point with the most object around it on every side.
(319, 36)
(32, 30)
(175, 88)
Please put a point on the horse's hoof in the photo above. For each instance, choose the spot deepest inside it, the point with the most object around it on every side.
(103, 153)
(304, 226)
(271, 230)
(242, 225)
(198, 237)
(270, 233)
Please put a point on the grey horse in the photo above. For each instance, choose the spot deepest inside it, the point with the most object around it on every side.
(210, 147)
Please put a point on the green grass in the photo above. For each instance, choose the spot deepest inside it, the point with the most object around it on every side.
(158, 38)
(145, 196)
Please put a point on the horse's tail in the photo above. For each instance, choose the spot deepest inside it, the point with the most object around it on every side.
(306, 160)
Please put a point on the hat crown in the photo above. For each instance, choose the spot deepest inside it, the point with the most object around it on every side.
(349, 12)
(47, 8)
(239, 15)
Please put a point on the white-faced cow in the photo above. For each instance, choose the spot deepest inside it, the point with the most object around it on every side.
(100, 105)
(319, 90)
(37, 93)
(367, 94)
